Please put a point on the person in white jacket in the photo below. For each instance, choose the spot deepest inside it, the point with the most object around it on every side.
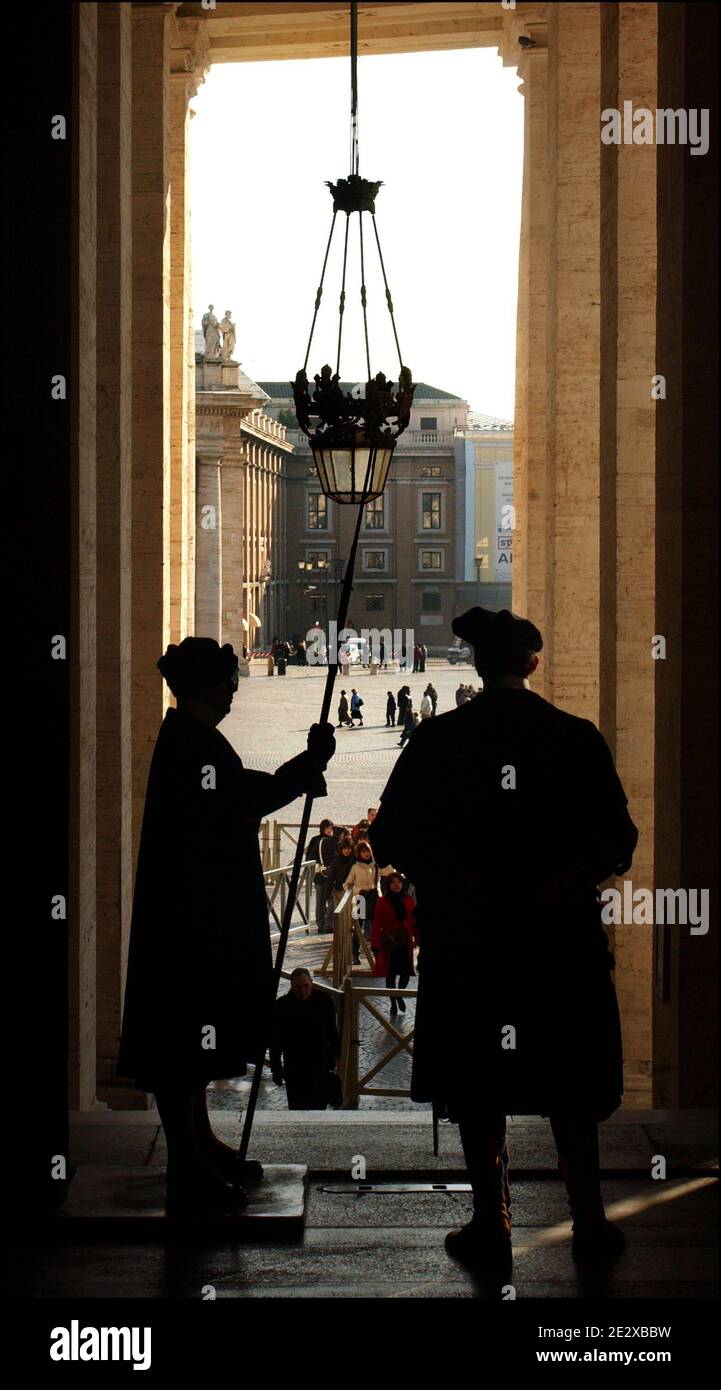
(426, 706)
(363, 883)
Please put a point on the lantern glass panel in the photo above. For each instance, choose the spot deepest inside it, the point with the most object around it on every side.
(343, 472)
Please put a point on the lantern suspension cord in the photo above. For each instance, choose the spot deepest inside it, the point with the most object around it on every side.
(319, 291)
(291, 900)
(354, 157)
(363, 295)
(341, 307)
(389, 301)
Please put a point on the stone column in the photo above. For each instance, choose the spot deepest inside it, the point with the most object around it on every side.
(232, 475)
(629, 179)
(208, 533)
(532, 550)
(179, 521)
(82, 645)
(151, 387)
(188, 63)
(686, 615)
(190, 494)
(574, 357)
(114, 462)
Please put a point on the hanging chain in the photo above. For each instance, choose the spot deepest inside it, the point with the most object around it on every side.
(354, 87)
(363, 295)
(341, 306)
(319, 291)
(389, 301)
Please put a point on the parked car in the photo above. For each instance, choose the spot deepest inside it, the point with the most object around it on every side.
(459, 653)
(354, 651)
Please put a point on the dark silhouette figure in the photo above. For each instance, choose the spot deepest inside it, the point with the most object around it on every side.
(408, 721)
(506, 862)
(344, 719)
(305, 1045)
(390, 710)
(198, 997)
(322, 849)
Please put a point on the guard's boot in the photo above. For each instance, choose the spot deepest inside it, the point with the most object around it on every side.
(485, 1241)
(227, 1163)
(197, 1192)
(595, 1239)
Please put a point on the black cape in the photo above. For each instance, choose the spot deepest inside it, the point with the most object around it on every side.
(506, 814)
(199, 982)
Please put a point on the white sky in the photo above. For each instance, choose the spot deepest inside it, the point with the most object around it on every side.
(444, 131)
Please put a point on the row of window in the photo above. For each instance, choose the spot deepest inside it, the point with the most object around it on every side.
(375, 519)
(375, 603)
(377, 559)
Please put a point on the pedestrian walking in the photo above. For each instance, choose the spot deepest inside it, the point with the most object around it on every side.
(360, 831)
(356, 704)
(525, 892)
(403, 701)
(382, 659)
(423, 651)
(409, 723)
(322, 849)
(363, 884)
(337, 874)
(393, 936)
(433, 693)
(305, 1045)
(426, 706)
(344, 719)
(390, 710)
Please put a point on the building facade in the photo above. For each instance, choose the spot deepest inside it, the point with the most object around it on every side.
(242, 457)
(406, 570)
(486, 515)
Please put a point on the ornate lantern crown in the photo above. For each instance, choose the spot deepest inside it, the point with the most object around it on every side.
(353, 433)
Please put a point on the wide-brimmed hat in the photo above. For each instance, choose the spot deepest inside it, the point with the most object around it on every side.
(488, 630)
(198, 663)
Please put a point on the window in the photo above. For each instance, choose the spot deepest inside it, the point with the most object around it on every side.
(374, 559)
(375, 515)
(312, 557)
(429, 422)
(431, 470)
(374, 602)
(431, 511)
(431, 560)
(317, 511)
(430, 601)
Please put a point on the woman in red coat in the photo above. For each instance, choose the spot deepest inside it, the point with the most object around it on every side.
(393, 937)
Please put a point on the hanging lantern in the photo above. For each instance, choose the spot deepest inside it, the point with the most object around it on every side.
(352, 435)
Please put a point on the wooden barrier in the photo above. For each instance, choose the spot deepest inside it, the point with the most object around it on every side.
(277, 883)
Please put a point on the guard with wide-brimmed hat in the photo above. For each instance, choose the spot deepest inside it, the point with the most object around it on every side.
(506, 814)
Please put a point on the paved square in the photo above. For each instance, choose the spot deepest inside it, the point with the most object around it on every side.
(271, 716)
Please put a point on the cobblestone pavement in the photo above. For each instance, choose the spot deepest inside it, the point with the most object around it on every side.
(268, 724)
